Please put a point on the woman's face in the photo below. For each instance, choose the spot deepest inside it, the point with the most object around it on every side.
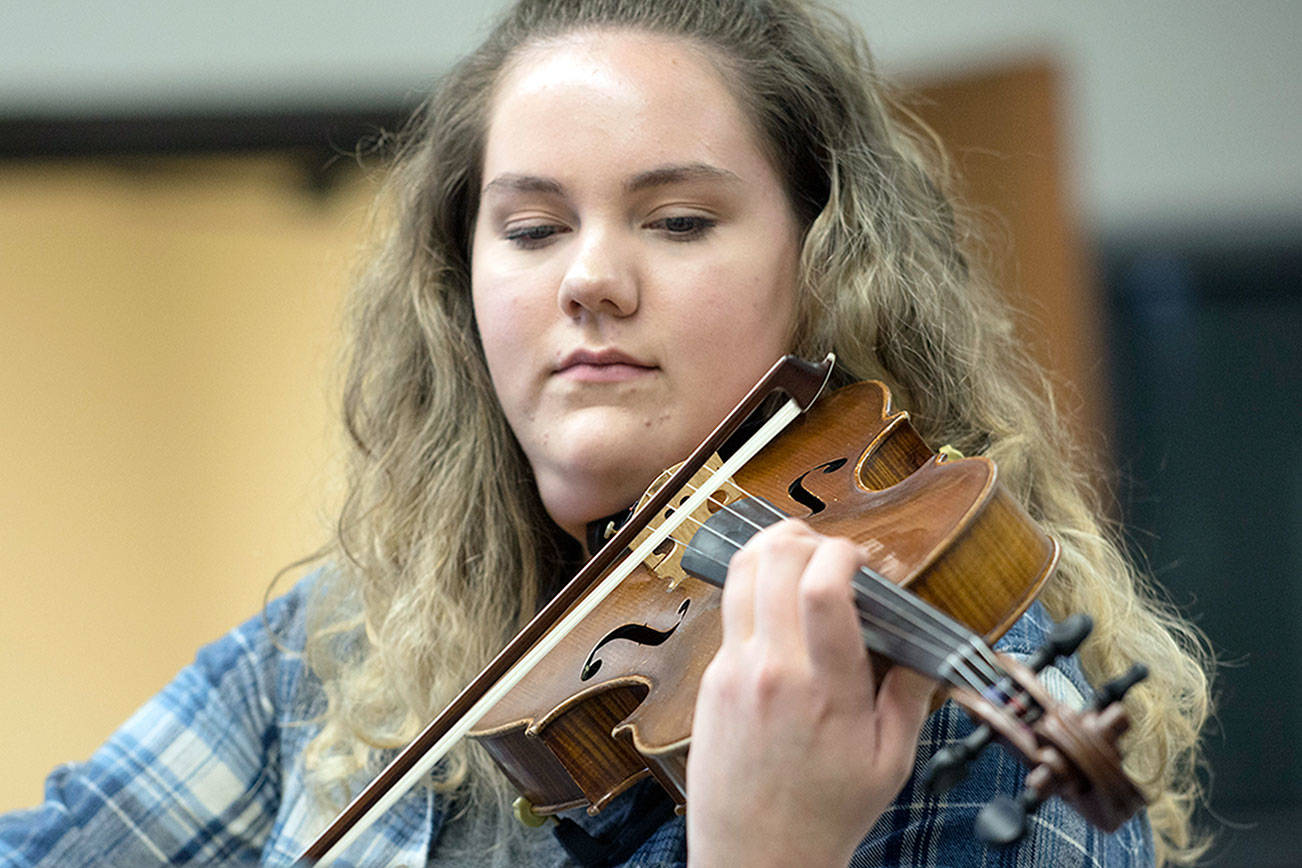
(634, 262)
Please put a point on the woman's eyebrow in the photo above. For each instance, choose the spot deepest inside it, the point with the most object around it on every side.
(512, 182)
(660, 176)
(674, 174)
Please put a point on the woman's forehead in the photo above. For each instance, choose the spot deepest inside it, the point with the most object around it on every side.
(622, 66)
(597, 45)
(594, 95)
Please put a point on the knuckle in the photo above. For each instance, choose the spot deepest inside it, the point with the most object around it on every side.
(743, 558)
(720, 677)
(760, 543)
(786, 535)
(825, 590)
(844, 548)
(841, 558)
(767, 685)
(712, 677)
(771, 680)
(782, 531)
(794, 527)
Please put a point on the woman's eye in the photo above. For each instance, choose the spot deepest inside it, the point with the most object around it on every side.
(531, 236)
(684, 228)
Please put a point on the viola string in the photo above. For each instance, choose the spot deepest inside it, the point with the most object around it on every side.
(943, 651)
(998, 685)
(908, 603)
(904, 604)
(964, 674)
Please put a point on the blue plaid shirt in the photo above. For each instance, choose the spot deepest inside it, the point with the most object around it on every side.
(210, 772)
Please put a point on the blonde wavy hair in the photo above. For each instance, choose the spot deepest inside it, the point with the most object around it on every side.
(443, 548)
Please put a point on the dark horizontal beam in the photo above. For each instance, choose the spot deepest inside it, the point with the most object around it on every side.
(340, 131)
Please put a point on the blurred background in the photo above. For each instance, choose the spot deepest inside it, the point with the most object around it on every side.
(180, 208)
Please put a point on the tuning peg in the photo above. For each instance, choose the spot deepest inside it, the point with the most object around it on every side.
(1003, 820)
(950, 764)
(1064, 639)
(1115, 689)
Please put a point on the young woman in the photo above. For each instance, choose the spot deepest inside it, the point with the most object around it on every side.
(607, 223)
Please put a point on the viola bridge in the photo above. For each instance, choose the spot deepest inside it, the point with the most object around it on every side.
(667, 559)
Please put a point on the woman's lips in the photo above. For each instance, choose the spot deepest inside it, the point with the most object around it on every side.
(602, 366)
(616, 373)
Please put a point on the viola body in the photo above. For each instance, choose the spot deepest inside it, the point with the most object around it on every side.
(613, 703)
(597, 691)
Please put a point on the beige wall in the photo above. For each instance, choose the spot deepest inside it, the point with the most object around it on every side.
(167, 339)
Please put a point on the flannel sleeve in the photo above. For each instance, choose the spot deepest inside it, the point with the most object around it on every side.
(192, 777)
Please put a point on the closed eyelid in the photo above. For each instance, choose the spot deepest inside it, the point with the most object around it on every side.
(512, 207)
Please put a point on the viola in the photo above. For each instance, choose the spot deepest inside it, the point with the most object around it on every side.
(597, 692)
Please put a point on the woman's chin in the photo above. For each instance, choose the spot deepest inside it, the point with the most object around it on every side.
(586, 493)
(601, 463)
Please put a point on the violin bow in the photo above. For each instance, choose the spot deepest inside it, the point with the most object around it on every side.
(802, 382)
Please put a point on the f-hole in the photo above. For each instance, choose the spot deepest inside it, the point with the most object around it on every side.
(803, 495)
(639, 633)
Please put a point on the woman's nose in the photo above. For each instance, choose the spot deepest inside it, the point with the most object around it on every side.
(601, 278)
